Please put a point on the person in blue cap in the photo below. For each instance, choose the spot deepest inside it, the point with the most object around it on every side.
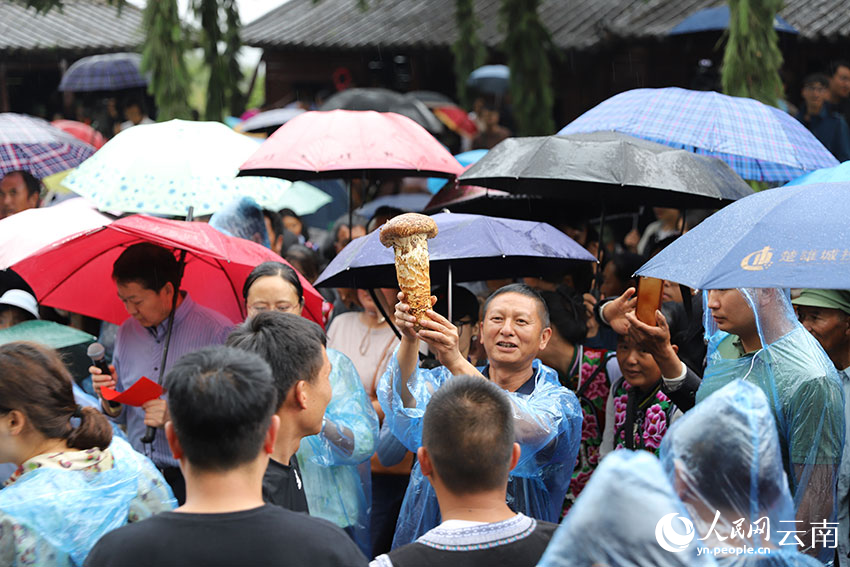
(515, 327)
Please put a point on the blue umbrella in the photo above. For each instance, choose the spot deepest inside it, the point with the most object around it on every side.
(717, 19)
(465, 159)
(837, 174)
(109, 72)
(784, 237)
(493, 79)
(469, 247)
(759, 142)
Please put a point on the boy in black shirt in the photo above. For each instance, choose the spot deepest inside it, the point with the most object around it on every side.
(294, 348)
(222, 430)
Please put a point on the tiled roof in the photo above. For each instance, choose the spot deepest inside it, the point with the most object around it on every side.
(88, 26)
(341, 24)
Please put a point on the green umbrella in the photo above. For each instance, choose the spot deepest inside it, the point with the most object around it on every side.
(165, 168)
(70, 342)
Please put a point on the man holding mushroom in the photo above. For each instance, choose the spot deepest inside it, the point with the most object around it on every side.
(515, 327)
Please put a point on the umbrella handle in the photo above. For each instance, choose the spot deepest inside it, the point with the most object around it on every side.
(384, 313)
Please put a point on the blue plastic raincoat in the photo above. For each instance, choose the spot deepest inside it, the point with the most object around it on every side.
(621, 518)
(59, 515)
(730, 475)
(335, 463)
(804, 393)
(548, 424)
(242, 218)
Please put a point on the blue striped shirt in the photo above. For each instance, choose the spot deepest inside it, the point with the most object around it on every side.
(138, 352)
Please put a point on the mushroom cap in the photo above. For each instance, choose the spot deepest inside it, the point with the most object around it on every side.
(407, 224)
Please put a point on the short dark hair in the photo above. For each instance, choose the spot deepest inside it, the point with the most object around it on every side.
(276, 222)
(464, 303)
(833, 67)
(816, 78)
(567, 313)
(290, 344)
(150, 265)
(221, 401)
(525, 290)
(306, 258)
(468, 430)
(356, 220)
(626, 264)
(32, 183)
(135, 100)
(305, 230)
(274, 269)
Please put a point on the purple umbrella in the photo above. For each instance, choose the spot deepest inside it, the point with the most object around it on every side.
(109, 72)
(467, 248)
(32, 144)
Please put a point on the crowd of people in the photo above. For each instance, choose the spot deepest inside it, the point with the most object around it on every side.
(433, 441)
(534, 421)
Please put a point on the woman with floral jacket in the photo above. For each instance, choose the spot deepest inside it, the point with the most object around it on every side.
(638, 413)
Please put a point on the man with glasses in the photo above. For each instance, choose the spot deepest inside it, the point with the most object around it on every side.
(828, 126)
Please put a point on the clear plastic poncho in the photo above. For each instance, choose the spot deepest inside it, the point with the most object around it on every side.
(335, 463)
(69, 511)
(805, 397)
(622, 517)
(242, 218)
(548, 426)
(730, 476)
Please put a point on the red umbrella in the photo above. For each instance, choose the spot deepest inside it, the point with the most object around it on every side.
(81, 131)
(350, 143)
(76, 274)
(456, 119)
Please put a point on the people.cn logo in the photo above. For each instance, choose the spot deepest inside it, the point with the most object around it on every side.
(671, 540)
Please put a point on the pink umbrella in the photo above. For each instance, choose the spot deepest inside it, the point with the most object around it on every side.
(76, 274)
(348, 144)
(24, 233)
(81, 131)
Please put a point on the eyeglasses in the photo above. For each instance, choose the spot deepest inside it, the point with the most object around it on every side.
(460, 324)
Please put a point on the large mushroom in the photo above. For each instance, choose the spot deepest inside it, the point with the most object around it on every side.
(408, 234)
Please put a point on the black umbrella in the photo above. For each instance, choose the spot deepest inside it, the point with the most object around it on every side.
(608, 169)
(384, 100)
(432, 99)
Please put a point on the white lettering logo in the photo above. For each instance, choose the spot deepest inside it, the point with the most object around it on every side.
(671, 540)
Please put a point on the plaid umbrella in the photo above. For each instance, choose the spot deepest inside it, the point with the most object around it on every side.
(109, 72)
(31, 144)
(759, 142)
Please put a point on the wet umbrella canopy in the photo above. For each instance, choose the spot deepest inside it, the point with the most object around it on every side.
(607, 167)
(784, 237)
(32, 144)
(759, 142)
(109, 72)
(476, 247)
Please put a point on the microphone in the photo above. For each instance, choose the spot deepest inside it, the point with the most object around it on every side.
(97, 354)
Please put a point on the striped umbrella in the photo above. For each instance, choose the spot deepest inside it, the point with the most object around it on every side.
(32, 144)
(759, 142)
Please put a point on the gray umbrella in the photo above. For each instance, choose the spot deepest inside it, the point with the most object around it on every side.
(384, 100)
(607, 168)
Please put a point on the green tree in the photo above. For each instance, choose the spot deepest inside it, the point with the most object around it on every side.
(220, 39)
(163, 56)
(752, 58)
(528, 45)
(469, 52)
